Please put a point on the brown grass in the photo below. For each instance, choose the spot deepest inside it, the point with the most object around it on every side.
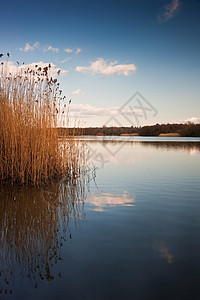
(129, 134)
(30, 151)
(170, 134)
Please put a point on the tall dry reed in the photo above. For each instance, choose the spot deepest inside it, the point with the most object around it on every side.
(30, 151)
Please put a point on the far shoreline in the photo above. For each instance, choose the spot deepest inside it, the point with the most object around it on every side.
(157, 130)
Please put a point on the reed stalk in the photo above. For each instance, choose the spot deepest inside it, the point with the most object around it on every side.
(30, 150)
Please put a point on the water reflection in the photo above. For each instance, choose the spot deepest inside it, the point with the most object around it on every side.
(190, 146)
(154, 144)
(161, 248)
(128, 152)
(100, 202)
(35, 223)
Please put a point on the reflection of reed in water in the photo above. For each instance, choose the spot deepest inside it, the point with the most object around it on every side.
(34, 225)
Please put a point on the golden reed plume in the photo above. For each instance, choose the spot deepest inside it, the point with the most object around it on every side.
(30, 150)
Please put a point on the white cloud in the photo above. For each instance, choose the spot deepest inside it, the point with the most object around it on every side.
(78, 50)
(50, 48)
(87, 110)
(194, 120)
(78, 92)
(68, 50)
(169, 10)
(100, 66)
(12, 68)
(66, 59)
(28, 47)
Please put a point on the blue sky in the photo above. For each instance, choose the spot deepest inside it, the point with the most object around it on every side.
(110, 50)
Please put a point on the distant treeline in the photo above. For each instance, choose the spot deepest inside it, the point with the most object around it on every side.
(189, 129)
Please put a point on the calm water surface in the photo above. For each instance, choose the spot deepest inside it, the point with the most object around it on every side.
(129, 229)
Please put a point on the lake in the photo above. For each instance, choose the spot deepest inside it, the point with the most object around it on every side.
(129, 228)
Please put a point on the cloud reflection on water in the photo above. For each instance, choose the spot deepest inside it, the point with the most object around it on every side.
(127, 151)
(103, 201)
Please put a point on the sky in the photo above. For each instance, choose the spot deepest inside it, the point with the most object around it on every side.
(123, 63)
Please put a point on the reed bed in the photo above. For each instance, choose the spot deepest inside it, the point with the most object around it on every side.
(30, 150)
